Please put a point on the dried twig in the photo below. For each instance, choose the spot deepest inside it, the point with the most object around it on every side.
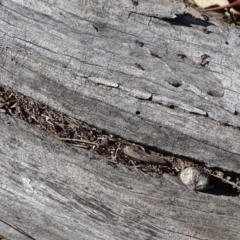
(230, 5)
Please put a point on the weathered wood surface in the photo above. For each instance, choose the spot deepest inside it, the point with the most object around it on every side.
(50, 190)
(79, 58)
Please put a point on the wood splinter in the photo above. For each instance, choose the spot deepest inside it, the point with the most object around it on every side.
(230, 5)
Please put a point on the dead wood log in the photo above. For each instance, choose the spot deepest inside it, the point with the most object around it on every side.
(50, 190)
(146, 72)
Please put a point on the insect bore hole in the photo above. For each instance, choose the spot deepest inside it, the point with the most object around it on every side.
(138, 112)
(176, 84)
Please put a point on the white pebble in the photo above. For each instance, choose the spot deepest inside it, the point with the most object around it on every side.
(194, 178)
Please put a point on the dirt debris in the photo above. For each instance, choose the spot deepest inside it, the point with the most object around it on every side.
(109, 146)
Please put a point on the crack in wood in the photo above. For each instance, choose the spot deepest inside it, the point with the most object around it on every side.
(112, 147)
(17, 229)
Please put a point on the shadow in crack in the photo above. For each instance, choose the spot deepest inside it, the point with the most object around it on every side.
(187, 20)
(218, 187)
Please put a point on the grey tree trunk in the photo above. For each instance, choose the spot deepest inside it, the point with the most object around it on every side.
(147, 72)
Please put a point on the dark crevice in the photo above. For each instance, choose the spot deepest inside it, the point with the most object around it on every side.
(210, 93)
(186, 20)
(215, 93)
(150, 98)
(197, 114)
(103, 143)
(177, 84)
(96, 28)
(226, 124)
(18, 229)
(218, 187)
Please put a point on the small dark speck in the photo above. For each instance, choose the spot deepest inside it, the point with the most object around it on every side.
(137, 65)
(154, 55)
(135, 3)
(141, 44)
(235, 113)
(205, 30)
(210, 93)
(226, 124)
(204, 56)
(176, 84)
(181, 55)
(138, 112)
(96, 28)
(204, 63)
(226, 43)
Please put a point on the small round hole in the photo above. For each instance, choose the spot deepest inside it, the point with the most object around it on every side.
(236, 113)
(137, 112)
(226, 43)
(176, 84)
(216, 93)
(210, 93)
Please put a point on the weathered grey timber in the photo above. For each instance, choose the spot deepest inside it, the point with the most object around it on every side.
(50, 190)
(81, 58)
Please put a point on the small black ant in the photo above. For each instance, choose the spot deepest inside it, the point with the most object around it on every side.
(137, 65)
(154, 55)
(141, 44)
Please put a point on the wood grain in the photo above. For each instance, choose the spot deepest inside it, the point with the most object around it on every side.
(82, 63)
(81, 58)
(51, 190)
